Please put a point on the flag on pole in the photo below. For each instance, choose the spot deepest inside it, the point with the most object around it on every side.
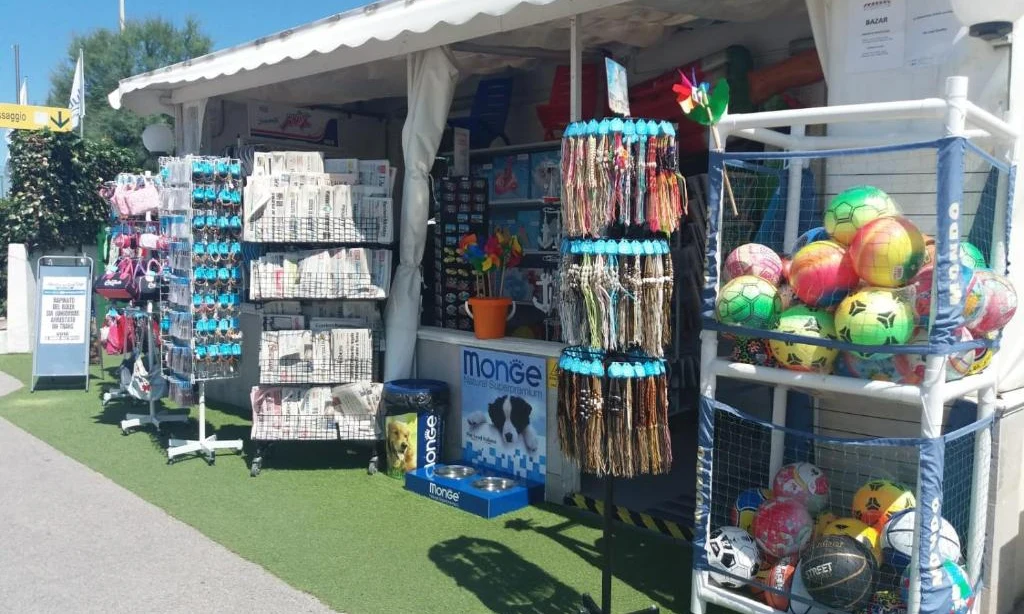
(77, 102)
(23, 92)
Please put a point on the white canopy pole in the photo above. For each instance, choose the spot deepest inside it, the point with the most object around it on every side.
(430, 98)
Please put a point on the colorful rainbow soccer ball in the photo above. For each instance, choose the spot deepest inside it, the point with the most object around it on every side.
(853, 208)
(782, 526)
(875, 502)
(754, 259)
(748, 301)
(999, 303)
(971, 256)
(809, 322)
(851, 527)
(956, 584)
(802, 482)
(887, 252)
(922, 285)
(886, 602)
(822, 274)
(812, 235)
(911, 366)
(875, 316)
(877, 367)
(743, 510)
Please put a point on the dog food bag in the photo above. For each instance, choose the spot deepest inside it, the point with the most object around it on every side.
(413, 424)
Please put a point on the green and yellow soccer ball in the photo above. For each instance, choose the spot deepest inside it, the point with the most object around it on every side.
(853, 208)
(805, 321)
(875, 317)
(748, 301)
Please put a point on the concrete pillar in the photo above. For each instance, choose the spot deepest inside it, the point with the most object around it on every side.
(20, 300)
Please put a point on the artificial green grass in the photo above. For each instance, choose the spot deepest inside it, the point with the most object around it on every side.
(360, 543)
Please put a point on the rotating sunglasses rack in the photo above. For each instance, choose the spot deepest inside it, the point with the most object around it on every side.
(204, 283)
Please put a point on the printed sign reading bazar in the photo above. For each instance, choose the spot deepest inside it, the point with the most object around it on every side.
(504, 412)
(63, 320)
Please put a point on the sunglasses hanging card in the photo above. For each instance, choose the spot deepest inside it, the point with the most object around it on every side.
(201, 209)
(324, 233)
(622, 196)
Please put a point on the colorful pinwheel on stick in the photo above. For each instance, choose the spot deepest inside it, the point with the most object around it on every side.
(705, 105)
(501, 251)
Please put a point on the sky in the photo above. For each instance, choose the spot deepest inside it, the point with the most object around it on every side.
(44, 29)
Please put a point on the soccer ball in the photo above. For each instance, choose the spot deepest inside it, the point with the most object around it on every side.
(853, 208)
(821, 522)
(875, 502)
(876, 367)
(748, 301)
(875, 317)
(745, 507)
(886, 602)
(898, 540)
(851, 527)
(733, 551)
(971, 256)
(911, 366)
(887, 252)
(752, 351)
(959, 597)
(982, 357)
(782, 526)
(803, 482)
(922, 285)
(809, 322)
(754, 259)
(1000, 303)
(822, 274)
(812, 235)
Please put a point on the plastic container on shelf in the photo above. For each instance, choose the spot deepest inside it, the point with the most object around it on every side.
(414, 414)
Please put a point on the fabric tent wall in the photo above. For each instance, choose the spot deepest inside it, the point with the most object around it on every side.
(432, 85)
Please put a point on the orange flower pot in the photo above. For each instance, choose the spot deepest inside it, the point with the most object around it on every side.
(489, 315)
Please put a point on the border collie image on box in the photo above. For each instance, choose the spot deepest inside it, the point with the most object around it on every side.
(509, 416)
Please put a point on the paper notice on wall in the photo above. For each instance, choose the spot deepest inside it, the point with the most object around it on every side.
(460, 147)
(876, 35)
(63, 317)
(931, 29)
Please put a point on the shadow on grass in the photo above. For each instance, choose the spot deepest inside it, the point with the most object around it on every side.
(646, 561)
(501, 579)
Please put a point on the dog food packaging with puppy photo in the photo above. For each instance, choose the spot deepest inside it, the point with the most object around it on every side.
(413, 424)
(504, 413)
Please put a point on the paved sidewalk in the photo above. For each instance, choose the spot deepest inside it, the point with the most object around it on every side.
(64, 546)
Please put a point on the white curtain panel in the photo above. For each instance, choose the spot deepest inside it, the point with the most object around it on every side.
(432, 85)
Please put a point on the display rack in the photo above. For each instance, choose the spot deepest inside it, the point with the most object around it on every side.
(969, 189)
(321, 236)
(201, 335)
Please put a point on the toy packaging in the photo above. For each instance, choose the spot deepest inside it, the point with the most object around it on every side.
(546, 174)
(510, 178)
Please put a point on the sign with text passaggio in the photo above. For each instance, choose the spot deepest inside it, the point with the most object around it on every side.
(29, 117)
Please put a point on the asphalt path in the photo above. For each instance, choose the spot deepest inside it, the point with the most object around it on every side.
(73, 541)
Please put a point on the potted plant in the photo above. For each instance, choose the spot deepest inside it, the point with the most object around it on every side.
(489, 309)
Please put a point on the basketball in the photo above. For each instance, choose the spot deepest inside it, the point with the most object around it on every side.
(853, 209)
(877, 501)
(886, 602)
(971, 256)
(752, 351)
(821, 522)
(753, 259)
(877, 367)
(922, 284)
(999, 303)
(780, 578)
(821, 274)
(810, 322)
(812, 235)
(875, 317)
(851, 527)
(748, 301)
(887, 252)
(782, 526)
(911, 366)
(898, 540)
(802, 482)
(955, 589)
(745, 507)
(839, 572)
(733, 551)
(800, 601)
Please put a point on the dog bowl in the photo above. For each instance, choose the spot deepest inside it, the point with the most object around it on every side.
(494, 484)
(455, 472)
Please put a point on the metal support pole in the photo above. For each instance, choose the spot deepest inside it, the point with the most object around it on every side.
(796, 168)
(17, 71)
(780, 397)
(979, 486)
(575, 70)
(120, 16)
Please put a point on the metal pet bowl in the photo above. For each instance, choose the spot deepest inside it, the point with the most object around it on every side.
(455, 472)
(494, 484)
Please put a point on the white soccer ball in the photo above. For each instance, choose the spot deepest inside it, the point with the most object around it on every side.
(734, 551)
(797, 589)
(898, 540)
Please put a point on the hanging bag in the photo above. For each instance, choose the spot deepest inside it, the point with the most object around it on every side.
(116, 284)
(147, 283)
(144, 385)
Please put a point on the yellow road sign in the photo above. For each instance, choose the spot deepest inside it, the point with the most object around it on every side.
(28, 117)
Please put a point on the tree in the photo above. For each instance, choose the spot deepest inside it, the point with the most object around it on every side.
(110, 56)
